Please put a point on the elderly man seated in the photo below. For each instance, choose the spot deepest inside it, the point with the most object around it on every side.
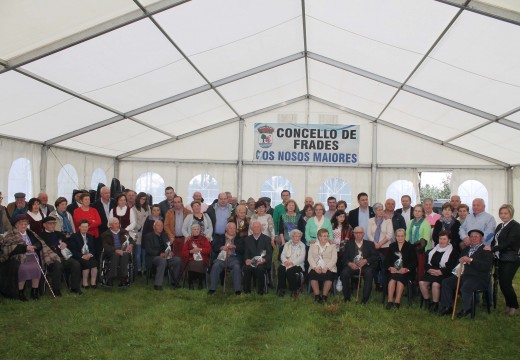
(57, 242)
(360, 258)
(159, 253)
(477, 263)
(227, 254)
(258, 254)
(118, 246)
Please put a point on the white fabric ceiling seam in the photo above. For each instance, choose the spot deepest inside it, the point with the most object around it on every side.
(89, 34)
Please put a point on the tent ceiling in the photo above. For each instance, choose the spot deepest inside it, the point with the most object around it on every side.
(115, 77)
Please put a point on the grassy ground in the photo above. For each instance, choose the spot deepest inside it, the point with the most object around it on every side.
(140, 323)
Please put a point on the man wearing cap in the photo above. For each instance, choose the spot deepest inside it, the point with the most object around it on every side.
(45, 208)
(19, 206)
(251, 207)
(5, 224)
(56, 241)
(477, 264)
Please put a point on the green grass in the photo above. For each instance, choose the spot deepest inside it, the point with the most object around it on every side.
(140, 323)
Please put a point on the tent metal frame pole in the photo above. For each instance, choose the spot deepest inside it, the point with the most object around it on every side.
(486, 10)
(373, 170)
(304, 26)
(116, 168)
(43, 168)
(509, 183)
(241, 125)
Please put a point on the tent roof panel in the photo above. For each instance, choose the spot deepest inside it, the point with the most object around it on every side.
(114, 139)
(39, 23)
(270, 87)
(189, 114)
(253, 34)
(474, 62)
(493, 140)
(505, 4)
(376, 36)
(347, 89)
(429, 117)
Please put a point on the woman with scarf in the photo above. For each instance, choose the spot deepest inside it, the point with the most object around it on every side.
(447, 223)
(400, 262)
(380, 231)
(81, 245)
(322, 265)
(125, 214)
(317, 222)
(196, 252)
(418, 234)
(292, 259)
(65, 222)
(288, 221)
(440, 261)
(20, 261)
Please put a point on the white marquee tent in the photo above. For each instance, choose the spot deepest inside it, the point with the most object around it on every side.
(164, 92)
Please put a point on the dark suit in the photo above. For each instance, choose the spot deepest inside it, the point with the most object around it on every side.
(475, 276)
(353, 216)
(117, 262)
(400, 212)
(71, 207)
(454, 230)
(154, 245)
(98, 205)
(76, 245)
(508, 244)
(71, 265)
(252, 248)
(368, 252)
(398, 222)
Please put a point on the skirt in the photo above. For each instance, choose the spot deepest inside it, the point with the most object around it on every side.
(431, 278)
(88, 264)
(328, 276)
(29, 269)
(197, 266)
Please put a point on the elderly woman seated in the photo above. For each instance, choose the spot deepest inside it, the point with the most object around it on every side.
(19, 259)
(322, 264)
(293, 263)
(400, 263)
(440, 261)
(196, 251)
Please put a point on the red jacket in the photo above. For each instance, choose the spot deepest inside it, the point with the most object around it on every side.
(203, 243)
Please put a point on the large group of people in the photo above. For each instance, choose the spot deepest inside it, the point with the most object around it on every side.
(328, 249)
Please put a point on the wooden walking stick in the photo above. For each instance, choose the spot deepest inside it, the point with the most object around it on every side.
(358, 284)
(45, 277)
(457, 292)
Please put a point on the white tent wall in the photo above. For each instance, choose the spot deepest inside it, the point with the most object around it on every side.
(515, 184)
(386, 176)
(12, 150)
(83, 163)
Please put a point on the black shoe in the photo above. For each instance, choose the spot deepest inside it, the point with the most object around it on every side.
(85, 287)
(35, 294)
(364, 301)
(445, 311)
(397, 305)
(427, 304)
(317, 298)
(57, 293)
(324, 299)
(76, 291)
(122, 284)
(110, 282)
(157, 287)
(247, 292)
(93, 286)
(238, 293)
(346, 299)
(211, 292)
(463, 313)
(21, 295)
(294, 294)
(379, 288)
(281, 293)
(434, 307)
(389, 305)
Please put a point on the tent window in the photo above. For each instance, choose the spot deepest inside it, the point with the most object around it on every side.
(399, 188)
(20, 179)
(153, 184)
(470, 190)
(337, 188)
(273, 187)
(67, 181)
(98, 176)
(207, 185)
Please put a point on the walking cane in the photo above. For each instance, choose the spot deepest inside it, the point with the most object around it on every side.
(225, 271)
(457, 292)
(45, 277)
(358, 284)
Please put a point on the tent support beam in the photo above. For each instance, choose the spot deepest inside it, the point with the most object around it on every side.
(43, 168)
(487, 10)
(304, 25)
(509, 182)
(240, 169)
(373, 170)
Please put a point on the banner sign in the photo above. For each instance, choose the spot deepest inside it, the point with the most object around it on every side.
(302, 143)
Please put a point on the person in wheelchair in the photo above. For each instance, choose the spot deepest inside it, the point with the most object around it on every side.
(258, 254)
(117, 246)
(228, 254)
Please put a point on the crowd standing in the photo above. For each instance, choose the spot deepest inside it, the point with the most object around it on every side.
(327, 248)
